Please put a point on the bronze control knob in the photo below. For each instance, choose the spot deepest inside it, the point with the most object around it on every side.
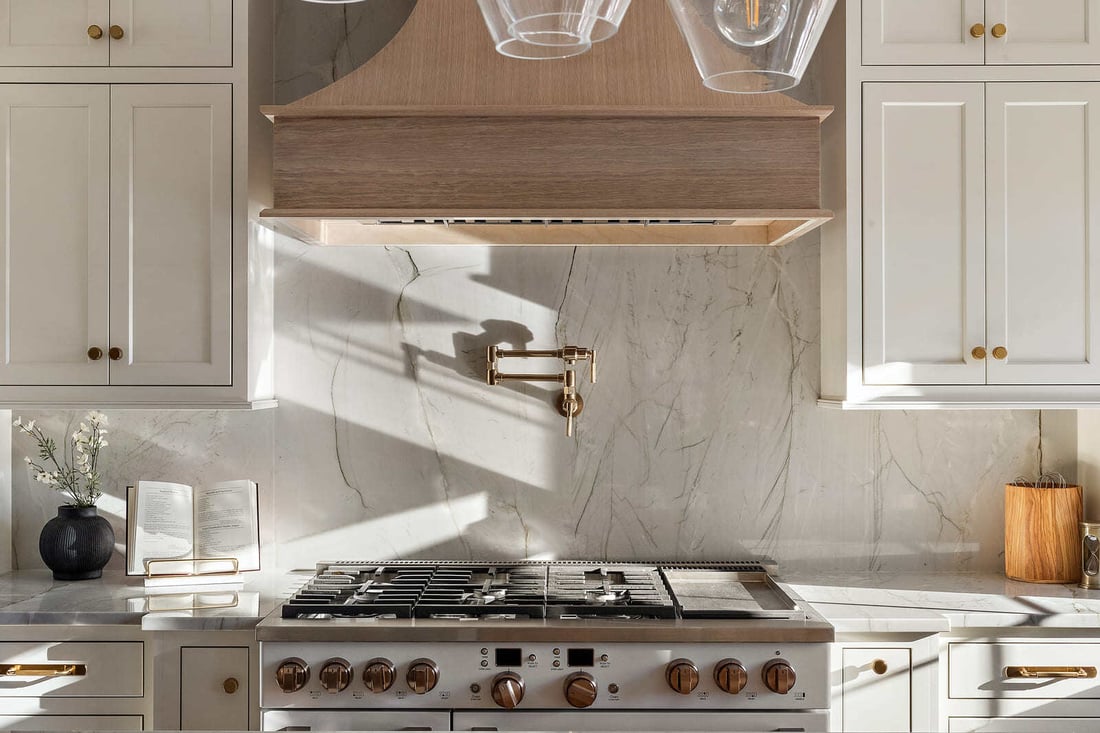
(379, 674)
(335, 675)
(682, 676)
(423, 676)
(507, 690)
(580, 690)
(730, 676)
(292, 675)
(779, 676)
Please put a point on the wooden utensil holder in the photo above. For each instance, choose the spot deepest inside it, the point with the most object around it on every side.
(1042, 539)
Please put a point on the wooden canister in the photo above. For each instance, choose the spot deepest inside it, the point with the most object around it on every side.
(1042, 537)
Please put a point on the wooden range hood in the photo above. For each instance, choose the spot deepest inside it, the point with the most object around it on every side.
(439, 139)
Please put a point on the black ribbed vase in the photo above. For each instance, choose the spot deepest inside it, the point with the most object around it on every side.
(77, 543)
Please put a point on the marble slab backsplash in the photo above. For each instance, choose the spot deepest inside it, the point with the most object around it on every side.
(702, 439)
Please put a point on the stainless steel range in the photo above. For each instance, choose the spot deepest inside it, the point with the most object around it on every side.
(546, 646)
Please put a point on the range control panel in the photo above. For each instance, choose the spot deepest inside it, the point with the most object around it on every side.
(333, 675)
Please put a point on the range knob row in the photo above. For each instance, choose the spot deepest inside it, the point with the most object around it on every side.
(730, 675)
(336, 674)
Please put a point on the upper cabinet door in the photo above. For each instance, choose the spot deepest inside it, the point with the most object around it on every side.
(53, 32)
(1044, 32)
(1044, 233)
(172, 32)
(923, 234)
(54, 189)
(922, 32)
(171, 234)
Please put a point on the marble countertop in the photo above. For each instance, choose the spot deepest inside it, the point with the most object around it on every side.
(34, 597)
(854, 602)
(875, 602)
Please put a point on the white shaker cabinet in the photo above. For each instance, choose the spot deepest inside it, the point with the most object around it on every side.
(214, 688)
(54, 192)
(981, 261)
(54, 33)
(150, 303)
(976, 32)
(172, 33)
(924, 233)
(922, 32)
(1047, 32)
(171, 235)
(148, 33)
(876, 690)
(1043, 236)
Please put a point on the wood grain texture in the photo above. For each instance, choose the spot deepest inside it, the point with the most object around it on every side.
(515, 165)
(1042, 541)
(444, 58)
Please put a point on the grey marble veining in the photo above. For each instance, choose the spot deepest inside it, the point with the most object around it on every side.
(702, 439)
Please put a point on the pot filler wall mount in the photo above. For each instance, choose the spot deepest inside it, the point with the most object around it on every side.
(569, 403)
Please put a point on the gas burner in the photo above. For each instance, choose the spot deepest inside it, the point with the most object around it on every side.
(540, 590)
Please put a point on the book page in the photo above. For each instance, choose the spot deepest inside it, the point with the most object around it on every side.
(227, 523)
(161, 515)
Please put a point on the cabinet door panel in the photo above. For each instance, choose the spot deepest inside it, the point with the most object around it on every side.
(1047, 32)
(1023, 725)
(865, 690)
(71, 722)
(1043, 253)
(53, 33)
(922, 32)
(171, 234)
(923, 233)
(205, 704)
(53, 223)
(173, 33)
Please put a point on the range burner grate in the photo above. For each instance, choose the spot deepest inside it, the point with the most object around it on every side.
(509, 590)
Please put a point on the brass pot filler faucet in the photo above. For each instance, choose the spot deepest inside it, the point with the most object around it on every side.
(569, 402)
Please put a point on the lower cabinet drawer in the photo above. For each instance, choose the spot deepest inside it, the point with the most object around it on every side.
(1048, 670)
(71, 722)
(71, 669)
(1023, 725)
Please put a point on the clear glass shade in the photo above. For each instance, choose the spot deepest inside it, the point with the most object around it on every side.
(749, 46)
(547, 29)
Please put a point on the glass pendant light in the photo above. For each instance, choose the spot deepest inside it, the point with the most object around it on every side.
(557, 28)
(750, 46)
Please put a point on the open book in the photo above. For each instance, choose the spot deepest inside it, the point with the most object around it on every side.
(198, 527)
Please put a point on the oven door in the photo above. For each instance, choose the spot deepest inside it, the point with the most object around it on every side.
(643, 721)
(355, 720)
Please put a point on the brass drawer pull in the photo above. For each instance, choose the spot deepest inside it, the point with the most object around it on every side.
(1039, 673)
(43, 670)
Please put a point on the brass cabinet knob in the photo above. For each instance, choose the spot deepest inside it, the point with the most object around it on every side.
(977, 30)
(999, 30)
(1000, 353)
(115, 353)
(879, 666)
(116, 32)
(95, 32)
(231, 685)
(95, 353)
(978, 352)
